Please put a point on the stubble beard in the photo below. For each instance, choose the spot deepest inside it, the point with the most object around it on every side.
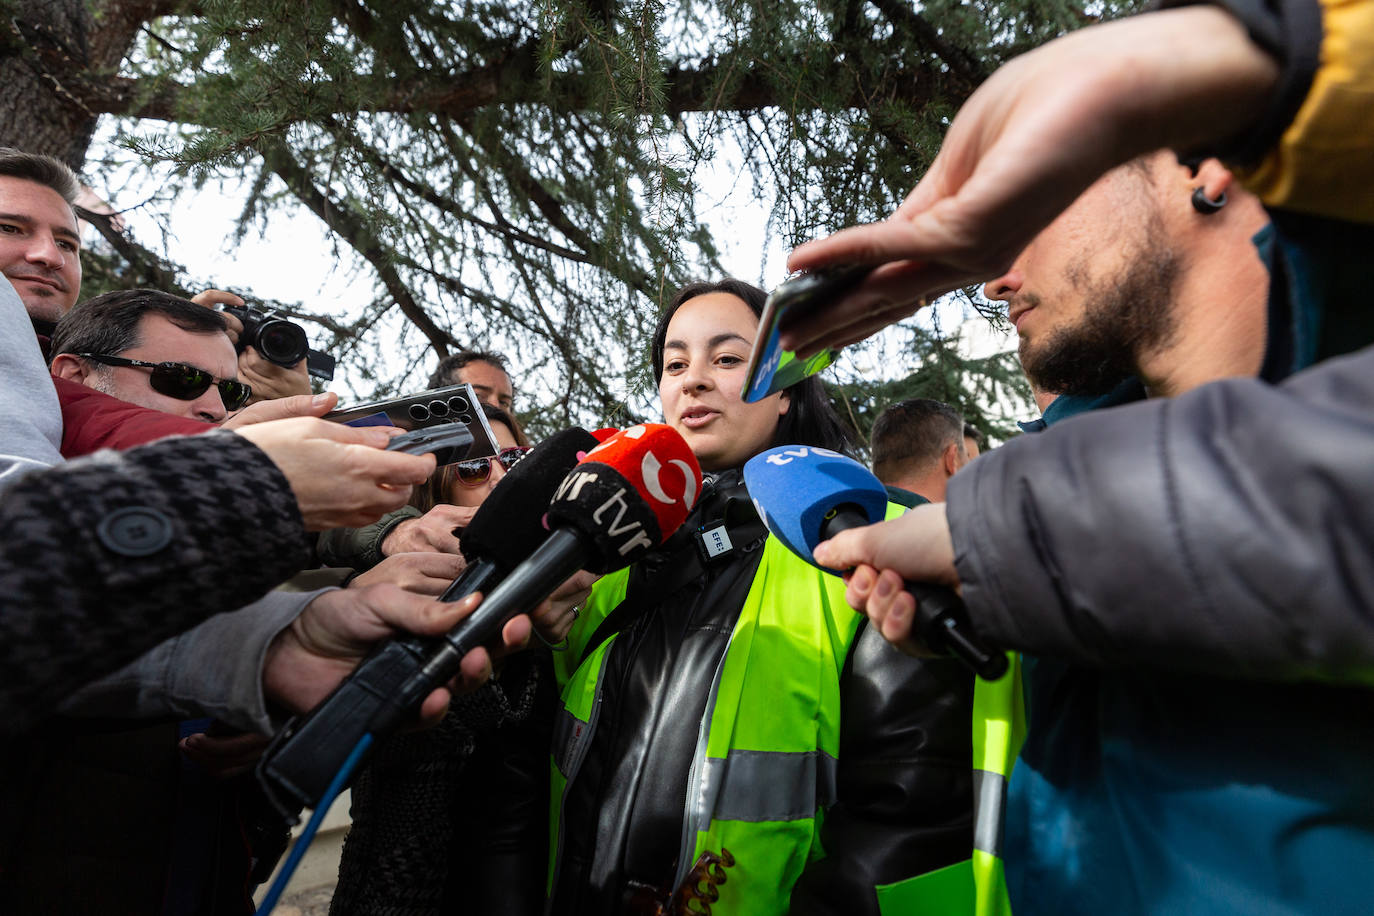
(1124, 317)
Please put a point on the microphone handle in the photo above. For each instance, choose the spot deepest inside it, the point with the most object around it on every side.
(563, 553)
(301, 761)
(941, 615)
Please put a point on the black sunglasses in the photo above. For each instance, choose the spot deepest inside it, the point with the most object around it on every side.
(180, 381)
(475, 471)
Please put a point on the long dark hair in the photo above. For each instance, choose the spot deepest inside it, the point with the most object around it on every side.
(810, 420)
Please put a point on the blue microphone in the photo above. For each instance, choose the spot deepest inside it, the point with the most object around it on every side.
(806, 495)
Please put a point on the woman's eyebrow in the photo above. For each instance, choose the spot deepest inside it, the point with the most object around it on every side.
(728, 336)
(710, 344)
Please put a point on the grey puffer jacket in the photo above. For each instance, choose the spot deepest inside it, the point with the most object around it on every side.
(1229, 530)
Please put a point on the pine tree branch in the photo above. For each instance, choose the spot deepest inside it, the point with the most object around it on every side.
(544, 201)
(516, 80)
(144, 264)
(392, 172)
(970, 70)
(351, 229)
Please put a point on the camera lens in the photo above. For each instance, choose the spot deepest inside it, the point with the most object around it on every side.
(459, 404)
(281, 342)
(438, 408)
(418, 412)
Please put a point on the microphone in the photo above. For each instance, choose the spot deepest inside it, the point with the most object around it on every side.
(621, 500)
(304, 756)
(511, 523)
(806, 495)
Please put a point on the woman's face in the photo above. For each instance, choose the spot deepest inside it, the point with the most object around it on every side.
(460, 494)
(705, 353)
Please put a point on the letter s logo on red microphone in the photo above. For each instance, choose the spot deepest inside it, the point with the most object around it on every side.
(634, 490)
(650, 468)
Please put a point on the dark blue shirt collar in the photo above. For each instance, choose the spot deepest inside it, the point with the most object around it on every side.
(1071, 405)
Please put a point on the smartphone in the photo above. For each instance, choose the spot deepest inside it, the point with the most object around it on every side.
(433, 407)
(772, 368)
(449, 442)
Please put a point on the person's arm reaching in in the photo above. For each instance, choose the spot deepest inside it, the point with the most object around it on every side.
(112, 554)
(1027, 143)
(1248, 551)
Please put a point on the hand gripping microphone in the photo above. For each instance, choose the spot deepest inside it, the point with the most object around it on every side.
(376, 697)
(806, 495)
(619, 502)
(626, 496)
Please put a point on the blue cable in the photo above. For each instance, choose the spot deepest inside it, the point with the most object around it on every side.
(307, 836)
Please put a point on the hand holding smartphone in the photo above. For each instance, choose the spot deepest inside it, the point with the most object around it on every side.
(430, 409)
(772, 368)
(449, 442)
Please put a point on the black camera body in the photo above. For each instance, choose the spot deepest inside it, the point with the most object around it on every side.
(279, 341)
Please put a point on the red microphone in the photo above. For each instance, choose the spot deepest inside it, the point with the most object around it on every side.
(620, 501)
(628, 494)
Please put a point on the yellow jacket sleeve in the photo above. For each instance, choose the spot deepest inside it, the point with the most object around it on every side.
(1324, 162)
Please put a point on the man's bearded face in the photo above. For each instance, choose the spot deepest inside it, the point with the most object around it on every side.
(1094, 291)
(1123, 314)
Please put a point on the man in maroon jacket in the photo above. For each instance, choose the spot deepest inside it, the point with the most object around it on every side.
(145, 348)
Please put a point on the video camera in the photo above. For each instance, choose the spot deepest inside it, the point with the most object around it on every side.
(279, 341)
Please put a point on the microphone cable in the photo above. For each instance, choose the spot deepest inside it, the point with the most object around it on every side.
(293, 859)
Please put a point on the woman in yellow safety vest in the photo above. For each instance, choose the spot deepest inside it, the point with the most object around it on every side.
(720, 700)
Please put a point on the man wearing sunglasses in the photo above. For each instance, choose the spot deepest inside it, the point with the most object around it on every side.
(152, 349)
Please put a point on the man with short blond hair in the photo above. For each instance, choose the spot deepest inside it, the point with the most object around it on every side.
(40, 249)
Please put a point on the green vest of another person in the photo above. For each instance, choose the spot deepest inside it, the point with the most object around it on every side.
(978, 884)
(999, 725)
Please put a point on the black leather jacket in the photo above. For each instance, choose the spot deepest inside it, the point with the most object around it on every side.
(904, 794)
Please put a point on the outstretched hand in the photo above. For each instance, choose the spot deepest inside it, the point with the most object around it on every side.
(1040, 130)
(341, 475)
(915, 547)
(331, 636)
(433, 531)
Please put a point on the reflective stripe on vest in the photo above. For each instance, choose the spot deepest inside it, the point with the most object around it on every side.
(989, 807)
(768, 785)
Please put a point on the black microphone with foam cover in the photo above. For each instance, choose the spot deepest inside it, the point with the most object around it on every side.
(625, 498)
(509, 526)
(511, 523)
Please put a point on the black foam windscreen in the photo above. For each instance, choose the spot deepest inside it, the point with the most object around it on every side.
(510, 525)
(614, 520)
(630, 494)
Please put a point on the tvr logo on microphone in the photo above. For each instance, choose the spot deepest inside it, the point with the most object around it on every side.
(613, 516)
(618, 526)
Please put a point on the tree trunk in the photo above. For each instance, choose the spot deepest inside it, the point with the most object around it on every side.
(50, 52)
(45, 44)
